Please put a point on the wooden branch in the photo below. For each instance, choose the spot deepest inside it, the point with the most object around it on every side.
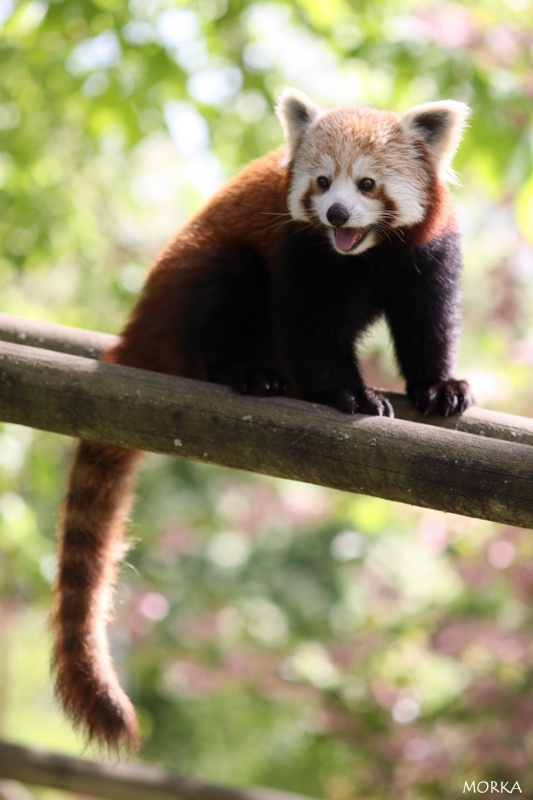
(76, 341)
(81, 342)
(431, 466)
(118, 781)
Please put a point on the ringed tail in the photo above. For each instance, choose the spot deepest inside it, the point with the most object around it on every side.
(91, 548)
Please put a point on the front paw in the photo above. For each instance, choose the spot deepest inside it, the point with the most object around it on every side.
(365, 401)
(444, 397)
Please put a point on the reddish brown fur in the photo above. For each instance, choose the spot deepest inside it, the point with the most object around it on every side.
(249, 211)
(92, 545)
(100, 488)
(439, 215)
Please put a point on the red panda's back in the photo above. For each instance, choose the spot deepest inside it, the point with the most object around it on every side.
(248, 214)
(250, 211)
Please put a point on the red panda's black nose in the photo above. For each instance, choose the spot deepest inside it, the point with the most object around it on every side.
(337, 215)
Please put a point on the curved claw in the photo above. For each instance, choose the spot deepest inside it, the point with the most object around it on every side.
(364, 401)
(372, 402)
(444, 397)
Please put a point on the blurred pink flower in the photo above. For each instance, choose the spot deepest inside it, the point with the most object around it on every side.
(450, 25)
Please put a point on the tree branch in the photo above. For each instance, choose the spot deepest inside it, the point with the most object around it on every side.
(90, 344)
(426, 465)
(118, 781)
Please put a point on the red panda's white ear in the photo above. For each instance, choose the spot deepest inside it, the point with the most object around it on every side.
(441, 126)
(295, 111)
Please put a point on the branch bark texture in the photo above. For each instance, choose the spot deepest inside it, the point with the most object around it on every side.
(437, 466)
(119, 781)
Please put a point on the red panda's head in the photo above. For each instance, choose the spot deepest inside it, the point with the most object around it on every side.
(360, 172)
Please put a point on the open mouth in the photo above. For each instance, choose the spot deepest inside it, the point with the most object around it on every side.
(347, 239)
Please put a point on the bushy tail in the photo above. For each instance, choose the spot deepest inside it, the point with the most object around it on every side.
(91, 547)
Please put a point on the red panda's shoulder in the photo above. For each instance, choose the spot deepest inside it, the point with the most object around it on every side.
(249, 210)
(261, 185)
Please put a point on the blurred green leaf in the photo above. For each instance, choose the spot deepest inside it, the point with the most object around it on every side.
(341, 646)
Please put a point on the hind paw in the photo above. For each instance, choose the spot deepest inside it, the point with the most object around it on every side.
(248, 380)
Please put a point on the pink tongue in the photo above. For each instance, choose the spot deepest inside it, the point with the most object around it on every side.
(345, 238)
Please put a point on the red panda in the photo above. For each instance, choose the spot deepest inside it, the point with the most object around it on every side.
(266, 290)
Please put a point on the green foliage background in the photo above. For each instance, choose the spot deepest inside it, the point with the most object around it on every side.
(269, 632)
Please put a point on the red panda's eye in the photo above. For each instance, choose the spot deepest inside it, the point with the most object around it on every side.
(366, 184)
(323, 183)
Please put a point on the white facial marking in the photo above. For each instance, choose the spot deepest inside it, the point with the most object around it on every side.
(299, 186)
(327, 163)
(348, 145)
(407, 199)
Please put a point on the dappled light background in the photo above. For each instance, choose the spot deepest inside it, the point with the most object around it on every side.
(269, 632)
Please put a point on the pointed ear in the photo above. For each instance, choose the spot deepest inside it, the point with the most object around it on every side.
(296, 112)
(440, 125)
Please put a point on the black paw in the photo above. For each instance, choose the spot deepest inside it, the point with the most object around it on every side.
(248, 380)
(372, 402)
(365, 401)
(445, 398)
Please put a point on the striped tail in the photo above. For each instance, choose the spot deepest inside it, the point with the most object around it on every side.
(92, 546)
